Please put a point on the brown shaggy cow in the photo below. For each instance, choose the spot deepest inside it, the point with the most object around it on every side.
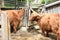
(14, 18)
(47, 22)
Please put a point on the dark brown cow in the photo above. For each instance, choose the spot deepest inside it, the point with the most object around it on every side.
(15, 17)
(47, 22)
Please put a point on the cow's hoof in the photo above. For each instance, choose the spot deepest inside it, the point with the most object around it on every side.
(14, 31)
(47, 35)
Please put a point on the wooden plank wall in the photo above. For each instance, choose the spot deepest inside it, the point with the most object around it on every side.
(5, 27)
(53, 9)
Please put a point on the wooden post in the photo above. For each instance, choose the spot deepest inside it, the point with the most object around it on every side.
(5, 26)
(2, 3)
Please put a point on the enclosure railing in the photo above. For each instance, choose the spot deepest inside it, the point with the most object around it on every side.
(51, 1)
(13, 3)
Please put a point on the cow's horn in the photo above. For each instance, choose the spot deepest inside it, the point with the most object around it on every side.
(38, 14)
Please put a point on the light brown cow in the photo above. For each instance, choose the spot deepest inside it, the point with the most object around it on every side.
(47, 22)
(15, 17)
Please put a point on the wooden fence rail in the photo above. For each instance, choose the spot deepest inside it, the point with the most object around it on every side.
(5, 27)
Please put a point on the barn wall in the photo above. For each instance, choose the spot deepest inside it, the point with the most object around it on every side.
(53, 9)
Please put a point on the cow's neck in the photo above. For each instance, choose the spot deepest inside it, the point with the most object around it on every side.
(38, 21)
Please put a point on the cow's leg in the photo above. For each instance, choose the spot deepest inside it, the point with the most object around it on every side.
(47, 34)
(14, 29)
(55, 30)
(11, 26)
(57, 36)
(15, 26)
(43, 32)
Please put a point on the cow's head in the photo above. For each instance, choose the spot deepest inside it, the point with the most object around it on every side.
(35, 16)
(21, 12)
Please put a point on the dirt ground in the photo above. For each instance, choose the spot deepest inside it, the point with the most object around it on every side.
(22, 35)
(29, 36)
(32, 35)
